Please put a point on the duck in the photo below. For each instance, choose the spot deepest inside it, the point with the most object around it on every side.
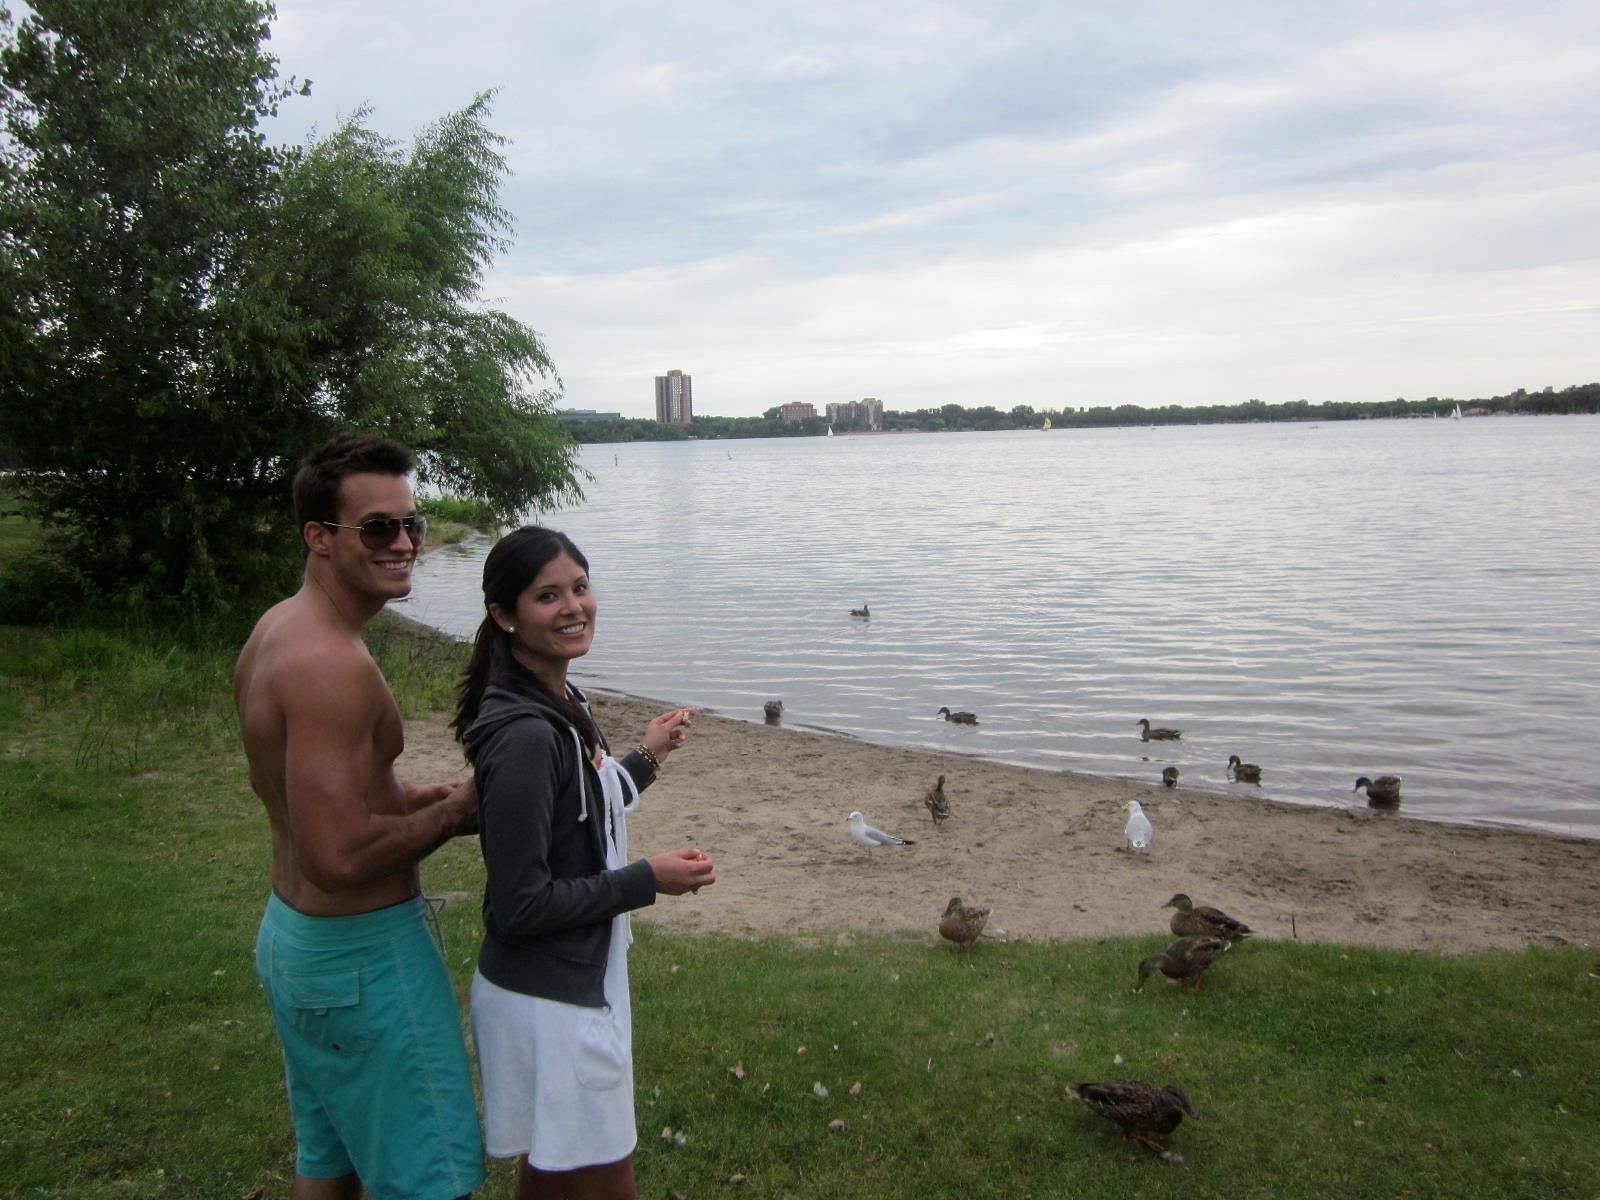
(1185, 960)
(1157, 734)
(1203, 921)
(958, 718)
(1141, 1109)
(1169, 777)
(1385, 789)
(1243, 772)
(774, 710)
(938, 803)
(863, 611)
(962, 923)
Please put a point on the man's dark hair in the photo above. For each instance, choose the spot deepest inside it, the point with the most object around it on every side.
(316, 483)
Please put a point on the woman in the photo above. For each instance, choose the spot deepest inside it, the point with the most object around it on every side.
(550, 1009)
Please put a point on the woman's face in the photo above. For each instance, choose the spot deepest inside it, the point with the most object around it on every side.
(554, 618)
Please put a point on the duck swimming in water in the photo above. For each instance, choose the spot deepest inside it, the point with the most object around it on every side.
(1385, 789)
(1158, 734)
(863, 611)
(1243, 772)
(958, 718)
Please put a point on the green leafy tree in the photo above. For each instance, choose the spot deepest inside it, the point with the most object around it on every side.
(186, 310)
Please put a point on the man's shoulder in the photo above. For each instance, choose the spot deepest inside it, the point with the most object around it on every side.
(292, 649)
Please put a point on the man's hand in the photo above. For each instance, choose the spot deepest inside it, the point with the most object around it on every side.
(460, 796)
(683, 870)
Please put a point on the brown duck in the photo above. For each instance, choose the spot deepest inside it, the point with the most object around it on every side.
(1243, 772)
(1141, 1109)
(958, 718)
(963, 923)
(1385, 789)
(1204, 921)
(938, 803)
(1185, 960)
(1157, 734)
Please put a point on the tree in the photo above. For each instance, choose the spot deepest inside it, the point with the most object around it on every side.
(186, 310)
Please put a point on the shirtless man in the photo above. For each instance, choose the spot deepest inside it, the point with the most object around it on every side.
(379, 1087)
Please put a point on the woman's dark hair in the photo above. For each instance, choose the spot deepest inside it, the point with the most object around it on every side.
(513, 564)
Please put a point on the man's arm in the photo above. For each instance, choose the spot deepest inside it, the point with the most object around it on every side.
(347, 811)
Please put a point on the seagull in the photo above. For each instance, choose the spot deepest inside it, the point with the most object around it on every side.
(1138, 830)
(774, 710)
(869, 837)
(1385, 789)
(1169, 777)
(958, 718)
(1243, 772)
(863, 611)
(938, 803)
(1157, 734)
(962, 923)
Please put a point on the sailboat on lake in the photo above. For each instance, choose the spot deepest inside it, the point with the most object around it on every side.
(1456, 415)
(1046, 425)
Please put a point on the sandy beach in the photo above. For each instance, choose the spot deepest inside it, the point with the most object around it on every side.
(1045, 849)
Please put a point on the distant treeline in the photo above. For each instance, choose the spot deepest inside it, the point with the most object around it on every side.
(1583, 398)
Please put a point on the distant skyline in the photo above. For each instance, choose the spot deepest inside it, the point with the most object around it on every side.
(1015, 203)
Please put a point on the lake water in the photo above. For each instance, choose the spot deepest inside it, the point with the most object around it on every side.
(1418, 598)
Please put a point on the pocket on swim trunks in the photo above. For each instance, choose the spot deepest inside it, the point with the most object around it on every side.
(324, 1008)
(601, 1057)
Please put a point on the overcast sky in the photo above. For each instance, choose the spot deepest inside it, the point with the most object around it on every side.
(1043, 203)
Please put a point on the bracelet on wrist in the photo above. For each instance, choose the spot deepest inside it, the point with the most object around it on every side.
(649, 757)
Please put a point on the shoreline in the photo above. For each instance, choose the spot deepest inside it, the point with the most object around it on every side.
(1045, 850)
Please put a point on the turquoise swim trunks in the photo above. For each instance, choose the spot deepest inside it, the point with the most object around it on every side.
(372, 1049)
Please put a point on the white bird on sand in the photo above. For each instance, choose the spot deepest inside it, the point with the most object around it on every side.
(1138, 830)
(869, 837)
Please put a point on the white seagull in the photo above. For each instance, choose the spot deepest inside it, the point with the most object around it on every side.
(1138, 830)
(869, 837)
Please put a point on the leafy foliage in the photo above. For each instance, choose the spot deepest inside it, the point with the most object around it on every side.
(185, 310)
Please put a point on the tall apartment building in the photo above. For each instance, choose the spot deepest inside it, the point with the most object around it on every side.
(674, 398)
(867, 413)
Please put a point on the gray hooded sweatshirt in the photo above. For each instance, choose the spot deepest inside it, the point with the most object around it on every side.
(548, 899)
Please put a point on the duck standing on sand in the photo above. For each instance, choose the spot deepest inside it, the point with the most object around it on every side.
(1142, 1109)
(962, 923)
(938, 803)
(958, 718)
(1158, 734)
(1185, 961)
(1169, 777)
(1243, 772)
(774, 711)
(1385, 789)
(1204, 921)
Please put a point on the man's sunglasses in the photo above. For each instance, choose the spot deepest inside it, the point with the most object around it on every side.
(378, 532)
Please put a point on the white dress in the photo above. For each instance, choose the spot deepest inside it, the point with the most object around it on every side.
(558, 1078)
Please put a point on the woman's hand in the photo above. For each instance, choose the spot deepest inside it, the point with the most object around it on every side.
(667, 732)
(683, 870)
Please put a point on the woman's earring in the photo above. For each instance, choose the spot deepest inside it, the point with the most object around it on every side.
(511, 628)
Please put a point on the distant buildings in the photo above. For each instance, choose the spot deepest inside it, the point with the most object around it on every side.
(866, 413)
(674, 398)
(797, 411)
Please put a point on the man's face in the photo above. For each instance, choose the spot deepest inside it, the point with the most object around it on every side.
(385, 571)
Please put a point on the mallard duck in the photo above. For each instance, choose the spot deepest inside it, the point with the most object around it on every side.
(962, 923)
(863, 611)
(866, 835)
(1243, 772)
(1169, 777)
(958, 718)
(1385, 789)
(1185, 960)
(774, 710)
(938, 803)
(1204, 921)
(1158, 734)
(1142, 1109)
(1138, 830)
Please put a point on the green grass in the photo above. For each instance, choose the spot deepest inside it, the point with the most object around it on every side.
(139, 1061)
(452, 519)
